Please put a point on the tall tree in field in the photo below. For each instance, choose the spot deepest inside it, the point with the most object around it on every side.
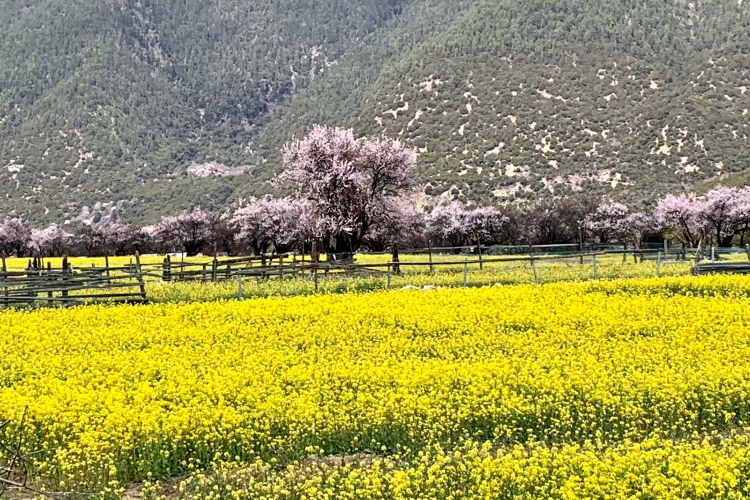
(741, 213)
(636, 226)
(482, 223)
(279, 223)
(401, 225)
(608, 222)
(445, 224)
(347, 182)
(723, 211)
(188, 231)
(15, 236)
(682, 217)
(51, 241)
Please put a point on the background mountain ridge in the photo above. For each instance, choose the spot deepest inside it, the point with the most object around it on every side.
(144, 108)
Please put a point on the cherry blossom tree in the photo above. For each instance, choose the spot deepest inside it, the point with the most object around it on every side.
(608, 222)
(725, 211)
(15, 236)
(347, 182)
(400, 225)
(740, 213)
(682, 217)
(189, 231)
(482, 223)
(277, 223)
(636, 226)
(446, 224)
(458, 225)
(51, 241)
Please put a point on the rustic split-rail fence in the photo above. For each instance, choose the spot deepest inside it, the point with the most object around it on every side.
(42, 285)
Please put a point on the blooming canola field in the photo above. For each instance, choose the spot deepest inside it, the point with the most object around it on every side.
(636, 388)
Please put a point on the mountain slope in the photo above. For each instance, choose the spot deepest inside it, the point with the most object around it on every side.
(99, 98)
(116, 102)
(521, 99)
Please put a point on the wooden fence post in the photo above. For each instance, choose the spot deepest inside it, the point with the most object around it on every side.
(5, 277)
(395, 260)
(432, 268)
(658, 264)
(388, 278)
(596, 267)
(106, 268)
(214, 269)
(479, 251)
(166, 269)
(50, 302)
(141, 283)
(533, 267)
(239, 286)
(65, 270)
(466, 272)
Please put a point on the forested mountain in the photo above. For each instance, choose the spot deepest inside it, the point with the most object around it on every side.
(154, 106)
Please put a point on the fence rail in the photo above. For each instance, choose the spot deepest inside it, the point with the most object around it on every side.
(40, 286)
(44, 286)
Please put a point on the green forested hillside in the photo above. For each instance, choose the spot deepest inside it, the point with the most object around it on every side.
(117, 101)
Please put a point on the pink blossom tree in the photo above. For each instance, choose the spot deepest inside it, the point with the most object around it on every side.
(740, 213)
(446, 224)
(458, 225)
(189, 231)
(482, 223)
(607, 222)
(725, 211)
(15, 236)
(400, 225)
(347, 182)
(636, 226)
(51, 241)
(277, 223)
(682, 217)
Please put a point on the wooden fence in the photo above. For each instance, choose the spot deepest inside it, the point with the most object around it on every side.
(41, 285)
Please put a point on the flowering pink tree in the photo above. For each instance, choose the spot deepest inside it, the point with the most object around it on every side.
(458, 225)
(347, 182)
(446, 224)
(725, 211)
(51, 241)
(740, 212)
(91, 237)
(482, 223)
(15, 236)
(280, 223)
(608, 222)
(399, 225)
(189, 231)
(636, 226)
(682, 217)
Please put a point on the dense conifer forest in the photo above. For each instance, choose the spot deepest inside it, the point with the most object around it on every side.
(141, 108)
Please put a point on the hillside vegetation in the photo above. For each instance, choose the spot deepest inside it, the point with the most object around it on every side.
(153, 107)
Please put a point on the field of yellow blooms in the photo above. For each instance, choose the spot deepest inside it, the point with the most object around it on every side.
(635, 388)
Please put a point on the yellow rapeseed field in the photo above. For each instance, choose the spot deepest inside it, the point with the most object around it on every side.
(615, 389)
